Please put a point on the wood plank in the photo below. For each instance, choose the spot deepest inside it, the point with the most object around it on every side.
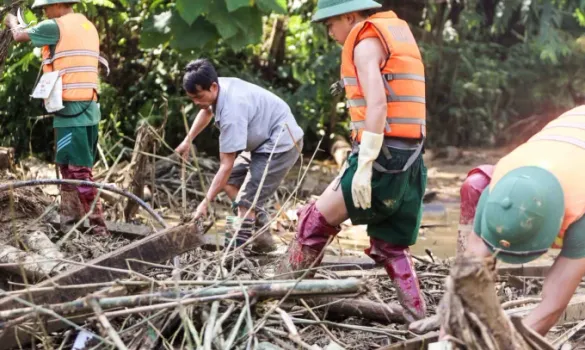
(126, 230)
(335, 263)
(371, 310)
(156, 248)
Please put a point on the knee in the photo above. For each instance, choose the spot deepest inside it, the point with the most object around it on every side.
(313, 225)
(80, 173)
(473, 186)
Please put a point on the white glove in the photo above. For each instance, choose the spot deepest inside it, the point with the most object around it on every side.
(361, 186)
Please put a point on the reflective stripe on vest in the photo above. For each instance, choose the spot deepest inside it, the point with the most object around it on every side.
(565, 125)
(572, 140)
(80, 86)
(71, 53)
(410, 121)
(361, 102)
(78, 70)
(352, 81)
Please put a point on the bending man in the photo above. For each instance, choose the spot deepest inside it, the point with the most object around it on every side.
(253, 123)
(534, 201)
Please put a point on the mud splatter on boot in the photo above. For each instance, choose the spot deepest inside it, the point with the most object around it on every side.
(398, 264)
(70, 211)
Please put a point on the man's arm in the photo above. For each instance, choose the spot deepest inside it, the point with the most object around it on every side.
(368, 57)
(226, 164)
(559, 286)
(201, 121)
(18, 34)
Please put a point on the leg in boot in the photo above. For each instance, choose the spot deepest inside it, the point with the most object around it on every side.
(88, 195)
(263, 243)
(399, 266)
(240, 228)
(70, 210)
(313, 233)
(477, 180)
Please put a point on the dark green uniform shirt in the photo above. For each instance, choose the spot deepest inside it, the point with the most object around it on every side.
(47, 33)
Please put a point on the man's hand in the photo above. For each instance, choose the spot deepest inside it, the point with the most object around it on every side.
(361, 185)
(9, 20)
(183, 149)
(201, 211)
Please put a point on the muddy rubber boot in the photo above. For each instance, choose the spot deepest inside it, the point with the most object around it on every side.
(264, 243)
(298, 258)
(70, 210)
(399, 266)
(96, 218)
(313, 233)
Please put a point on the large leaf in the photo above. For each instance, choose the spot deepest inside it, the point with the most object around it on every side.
(233, 5)
(156, 30)
(249, 20)
(190, 10)
(277, 6)
(222, 19)
(187, 37)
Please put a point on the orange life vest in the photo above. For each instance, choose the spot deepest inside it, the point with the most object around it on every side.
(559, 148)
(403, 74)
(76, 57)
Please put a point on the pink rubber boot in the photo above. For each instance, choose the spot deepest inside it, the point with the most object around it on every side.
(477, 180)
(313, 232)
(399, 266)
(87, 195)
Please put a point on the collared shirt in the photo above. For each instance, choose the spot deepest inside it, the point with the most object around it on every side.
(251, 119)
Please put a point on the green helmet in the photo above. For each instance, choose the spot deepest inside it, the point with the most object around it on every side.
(41, 3)
(332, 8)
(522, 214)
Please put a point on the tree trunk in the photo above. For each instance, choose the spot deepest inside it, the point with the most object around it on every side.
(471, 312)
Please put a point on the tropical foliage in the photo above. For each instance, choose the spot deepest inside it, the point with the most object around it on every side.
(489, 63)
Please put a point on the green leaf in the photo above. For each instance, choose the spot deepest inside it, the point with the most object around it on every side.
(233, 5)
(191, 37)
(191, 9)
(277, 6)
(222, 19)
(249, 20)
(156, 30)
(30, 18)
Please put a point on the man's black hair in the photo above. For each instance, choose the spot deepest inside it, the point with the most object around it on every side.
(199, 72)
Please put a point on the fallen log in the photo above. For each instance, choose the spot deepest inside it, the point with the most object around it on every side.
(156, 248)
(367, 309)
(39, 243)
(34, 266)
(304, 288)
(126, 230)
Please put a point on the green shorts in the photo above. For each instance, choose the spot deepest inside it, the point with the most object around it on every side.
(76, 145)
(396, 210)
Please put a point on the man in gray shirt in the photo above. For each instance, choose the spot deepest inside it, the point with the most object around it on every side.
(255, 126)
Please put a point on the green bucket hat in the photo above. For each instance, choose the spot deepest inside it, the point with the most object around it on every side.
(332, 8)
(41, 3)
(523, 214)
